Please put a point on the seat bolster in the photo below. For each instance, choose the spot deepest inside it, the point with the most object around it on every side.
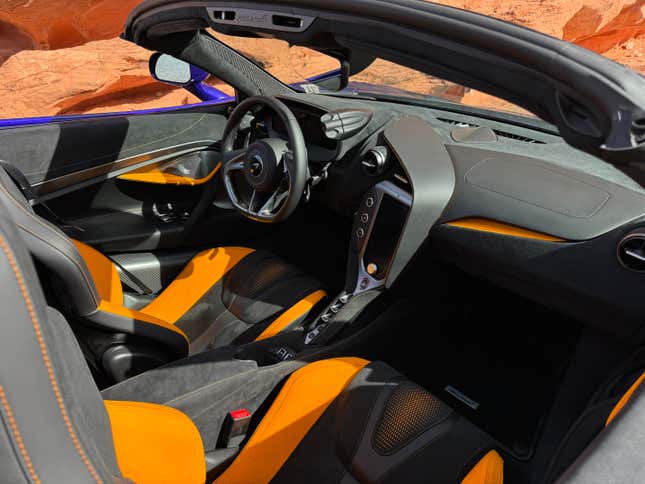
(50, 246)
(130, 321)
(103, 272)
(489, 470)
(625, 399)
(156, 444)
(303, 399)
(295, 313)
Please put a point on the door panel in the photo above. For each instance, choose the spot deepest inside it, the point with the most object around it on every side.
(190, 169)
(139, 182)
(47, 152)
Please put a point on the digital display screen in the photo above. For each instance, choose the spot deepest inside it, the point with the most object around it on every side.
(387, 229)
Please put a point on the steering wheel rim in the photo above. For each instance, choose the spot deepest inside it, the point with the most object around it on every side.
(290, 157)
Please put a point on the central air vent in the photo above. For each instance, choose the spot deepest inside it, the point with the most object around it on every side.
(631, 252)
(375, 161)
(498, 132)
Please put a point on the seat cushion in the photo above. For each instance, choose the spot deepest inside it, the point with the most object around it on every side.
(224, 295)
(378, 428)
(233, 295)
(305, 396)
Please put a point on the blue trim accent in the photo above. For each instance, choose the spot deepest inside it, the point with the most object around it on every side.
(208, 93)
(210, 96)
(16, 122)
(324, 75)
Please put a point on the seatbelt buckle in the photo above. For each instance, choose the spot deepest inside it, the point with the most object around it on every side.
(236, 425)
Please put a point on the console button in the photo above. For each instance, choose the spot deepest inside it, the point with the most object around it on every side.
(369, 202)
(313, 334)
(372, 269)
(365, 217)
(282, 353)
(360, 233)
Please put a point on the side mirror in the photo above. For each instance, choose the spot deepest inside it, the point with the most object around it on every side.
(168, 69)
(176, 72)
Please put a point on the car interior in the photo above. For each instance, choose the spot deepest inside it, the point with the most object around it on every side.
(297, 285)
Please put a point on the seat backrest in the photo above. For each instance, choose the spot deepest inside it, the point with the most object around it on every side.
(50, 246)
(55, 426)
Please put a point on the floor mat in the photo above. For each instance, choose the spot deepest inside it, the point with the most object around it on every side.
(495, 358)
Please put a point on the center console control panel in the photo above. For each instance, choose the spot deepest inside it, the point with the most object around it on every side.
(378, 226)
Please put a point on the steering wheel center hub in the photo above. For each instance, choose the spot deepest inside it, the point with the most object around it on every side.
(263, 167)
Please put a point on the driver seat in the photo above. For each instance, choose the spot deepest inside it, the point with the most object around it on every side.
(224, 295)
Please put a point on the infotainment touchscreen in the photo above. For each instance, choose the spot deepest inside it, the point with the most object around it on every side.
(386, 231)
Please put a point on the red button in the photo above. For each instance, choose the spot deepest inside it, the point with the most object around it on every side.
(240, 414)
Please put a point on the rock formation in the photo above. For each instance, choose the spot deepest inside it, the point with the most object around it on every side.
(64, 57)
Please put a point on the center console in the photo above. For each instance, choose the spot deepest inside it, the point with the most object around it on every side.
(378, 225)
(376, 234)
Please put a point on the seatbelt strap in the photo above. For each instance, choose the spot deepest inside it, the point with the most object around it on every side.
(27, 190)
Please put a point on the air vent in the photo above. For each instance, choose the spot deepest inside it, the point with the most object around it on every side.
(461, 124)
(375, 161)
(631, 252)
(498, 132)
(517, 137)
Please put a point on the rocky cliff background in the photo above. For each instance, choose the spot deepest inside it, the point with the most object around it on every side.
(65, 57)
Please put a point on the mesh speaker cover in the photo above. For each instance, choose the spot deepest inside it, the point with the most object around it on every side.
(409, 411)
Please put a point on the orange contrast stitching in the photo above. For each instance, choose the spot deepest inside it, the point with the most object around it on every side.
(48, 365)
(16, 435)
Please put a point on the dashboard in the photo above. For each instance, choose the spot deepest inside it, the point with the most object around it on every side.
(509, 202)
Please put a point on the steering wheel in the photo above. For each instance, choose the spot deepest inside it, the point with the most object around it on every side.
(274, 171)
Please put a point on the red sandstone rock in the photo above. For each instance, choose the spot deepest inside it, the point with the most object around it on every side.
(63, 57)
